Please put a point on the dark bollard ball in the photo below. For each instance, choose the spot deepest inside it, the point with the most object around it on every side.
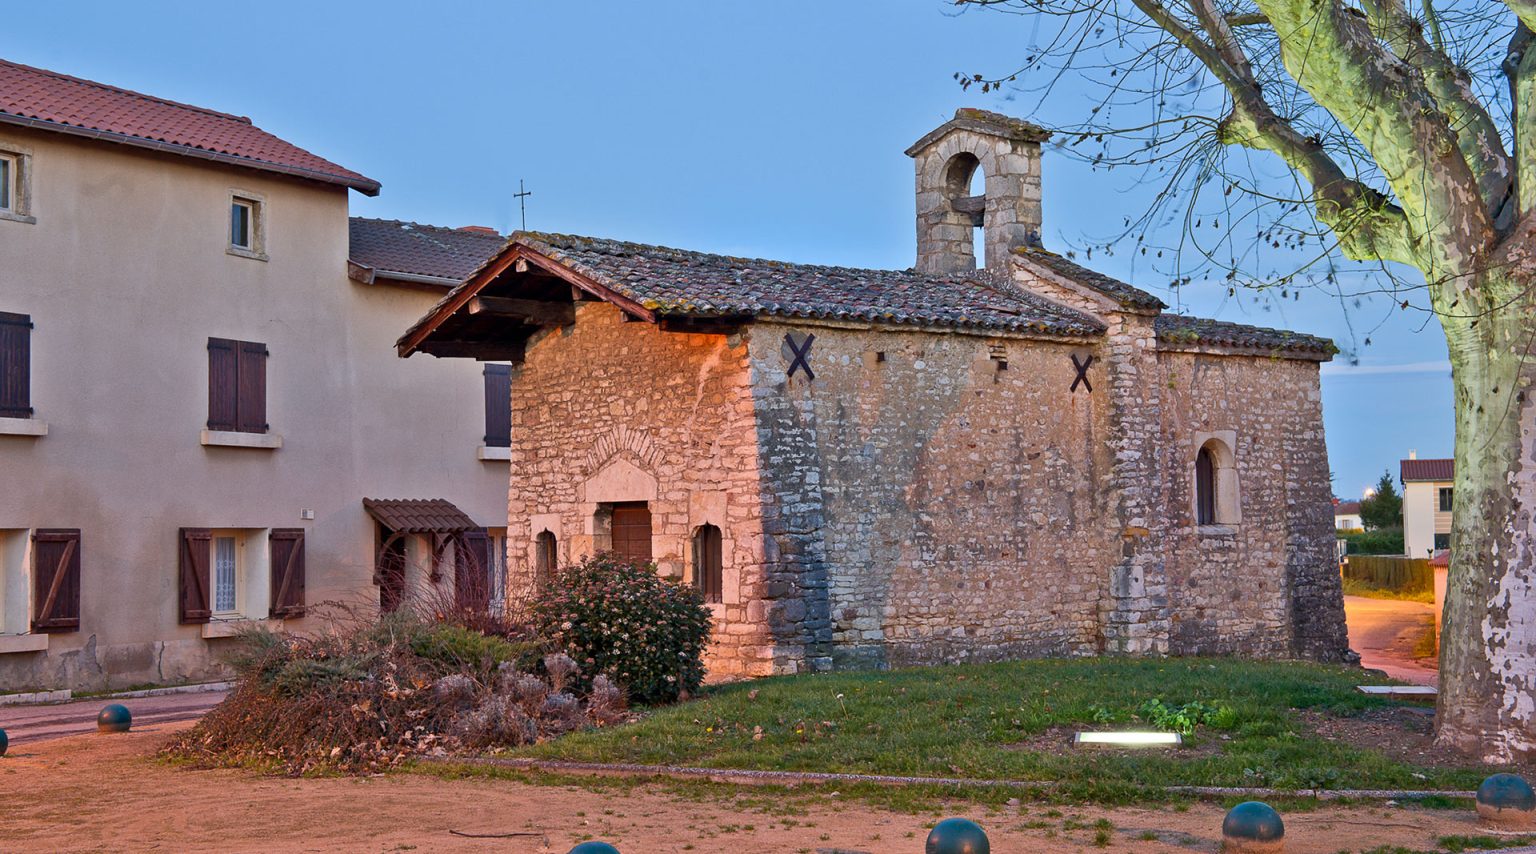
(594, 848)
(5, 742)
(114, 718)
(957, 836)
(1506, 802)
(1253, 828)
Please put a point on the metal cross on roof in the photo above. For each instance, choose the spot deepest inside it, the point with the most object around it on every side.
(522, 206)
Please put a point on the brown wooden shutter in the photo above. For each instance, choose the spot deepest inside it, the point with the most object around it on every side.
(15, 365)
(56, 580)
(631, 529)
(223, 384)
(196, 546)
(287, 554)
(471, 573)
(252, 406)
(498, 406)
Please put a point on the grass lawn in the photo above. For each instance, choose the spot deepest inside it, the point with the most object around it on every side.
(1011, 721)
(1355, 587)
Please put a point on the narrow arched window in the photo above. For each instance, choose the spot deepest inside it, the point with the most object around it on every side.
(708, 562)
(544, 558)
(1205, 488)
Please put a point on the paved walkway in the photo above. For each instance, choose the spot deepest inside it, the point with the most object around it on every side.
(1385, 632)
(37, 723)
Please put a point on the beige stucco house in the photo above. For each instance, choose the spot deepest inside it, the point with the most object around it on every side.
(198, 391)
(1428, 492)
(882, 467)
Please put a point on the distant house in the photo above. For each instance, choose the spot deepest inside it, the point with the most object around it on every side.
(1346, 516)
(1427, 493)
(202, 424)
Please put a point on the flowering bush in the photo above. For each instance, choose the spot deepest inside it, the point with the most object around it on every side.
(621, 619)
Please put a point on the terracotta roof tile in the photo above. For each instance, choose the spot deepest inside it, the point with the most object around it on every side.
(678, 282)
(1347, 508)
(418, 515)
(1122, 293)
(1428, 470)
(51, 101)
(391, 246)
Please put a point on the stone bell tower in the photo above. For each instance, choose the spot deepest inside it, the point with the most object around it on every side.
(1007, 150)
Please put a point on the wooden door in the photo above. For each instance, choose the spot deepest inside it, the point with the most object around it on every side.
(632, 532)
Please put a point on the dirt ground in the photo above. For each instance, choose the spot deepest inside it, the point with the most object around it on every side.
(108, 793)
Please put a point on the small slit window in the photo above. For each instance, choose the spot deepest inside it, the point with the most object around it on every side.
(1216, 500)
(708, 562)
(544, 558)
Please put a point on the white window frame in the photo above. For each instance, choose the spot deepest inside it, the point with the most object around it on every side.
(252, 574)
(10, 166)
(18, 183)
(15, 581)
(256, 231)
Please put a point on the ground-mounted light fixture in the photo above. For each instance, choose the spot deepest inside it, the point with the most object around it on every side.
(1127, 739)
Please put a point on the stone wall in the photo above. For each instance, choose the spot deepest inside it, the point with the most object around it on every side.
(608, 411)
(933, 504)
(1264, 584)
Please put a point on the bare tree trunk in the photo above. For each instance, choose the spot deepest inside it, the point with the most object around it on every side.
(1487, 704)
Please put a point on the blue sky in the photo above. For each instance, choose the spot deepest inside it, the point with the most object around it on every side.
(765, 129)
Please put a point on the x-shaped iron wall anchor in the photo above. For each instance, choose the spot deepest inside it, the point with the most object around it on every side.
(802, 354)
(1082, 373)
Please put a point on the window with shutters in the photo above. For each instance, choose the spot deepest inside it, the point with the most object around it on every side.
(709, 562)
(630, 529)
(236, 574)
(498, 406)
(55, 580)
(15, 365)
(247, 228)
(15, 582)
(237, 386)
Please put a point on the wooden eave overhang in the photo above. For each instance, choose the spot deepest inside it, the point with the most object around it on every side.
(522, 318)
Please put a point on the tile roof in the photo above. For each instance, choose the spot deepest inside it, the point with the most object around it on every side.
(1122, 293)
(1180, 329)
(418, 515)
(1347, 508)
(1428, 470)
(390, 246)
(697, 284)
(48, 100)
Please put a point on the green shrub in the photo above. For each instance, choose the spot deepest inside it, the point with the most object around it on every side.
(621, 619)
(1383, 541)
(455, 649)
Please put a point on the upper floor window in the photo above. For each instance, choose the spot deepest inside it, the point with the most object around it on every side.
(498, 406)
(1446, 495)
(8, 171)
(15, 365)
(246, 229)
(15, 186)
(237, 386)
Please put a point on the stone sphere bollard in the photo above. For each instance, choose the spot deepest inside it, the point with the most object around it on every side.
(114, 718)
(1506, 802)
(1253, 828)
(5, 742)
(957, 836)
(594, 847)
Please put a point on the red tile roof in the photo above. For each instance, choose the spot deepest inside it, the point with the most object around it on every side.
(47, 100)
(1428, 470)
(1346, 508)
(389, 248)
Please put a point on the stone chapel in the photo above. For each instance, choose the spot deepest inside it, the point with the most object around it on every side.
(869, 468)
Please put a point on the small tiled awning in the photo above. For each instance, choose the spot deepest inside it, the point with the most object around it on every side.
(419, 515)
